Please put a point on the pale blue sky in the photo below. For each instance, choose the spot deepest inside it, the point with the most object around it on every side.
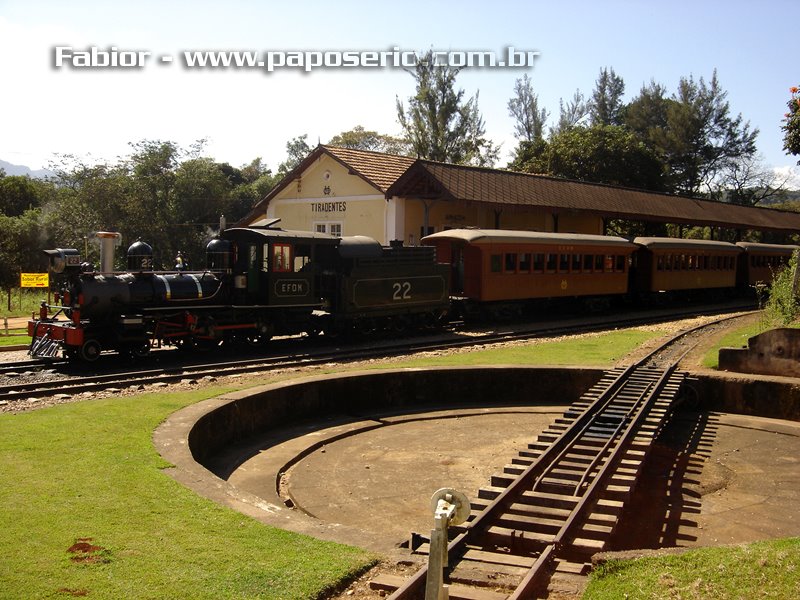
(246, 113)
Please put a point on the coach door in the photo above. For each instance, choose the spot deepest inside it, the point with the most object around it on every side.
(457, 270)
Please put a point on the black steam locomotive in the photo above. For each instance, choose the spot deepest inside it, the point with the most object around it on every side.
(259, 282)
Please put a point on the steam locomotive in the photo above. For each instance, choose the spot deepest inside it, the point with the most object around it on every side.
(259, 281)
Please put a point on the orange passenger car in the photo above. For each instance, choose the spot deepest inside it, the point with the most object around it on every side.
(762, 262)
(669, 264)
(490, 265)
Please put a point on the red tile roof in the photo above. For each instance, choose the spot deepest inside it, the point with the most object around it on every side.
(416, 178)
(434, 180)
(381, 170)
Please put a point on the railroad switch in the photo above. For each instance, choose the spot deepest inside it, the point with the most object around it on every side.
(450, 507)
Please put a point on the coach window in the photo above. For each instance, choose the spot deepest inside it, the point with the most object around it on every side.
(524, 262)
(588, 259)
(598, 263)
(577, 260)
(551, 263)
(496, 264)
(538, 263)
(281, 258)
(563, 263)
(660, 263)
(620, 263)
(511, 262)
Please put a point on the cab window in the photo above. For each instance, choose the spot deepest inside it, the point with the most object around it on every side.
(281, 258)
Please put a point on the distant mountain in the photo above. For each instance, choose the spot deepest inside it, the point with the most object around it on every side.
(12, 169)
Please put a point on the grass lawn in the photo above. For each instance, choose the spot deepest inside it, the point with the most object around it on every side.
(23, 302)
(760, 570)
(14, 340)
(86, 511)
(86, 476)
(734, 339)
(600, 349)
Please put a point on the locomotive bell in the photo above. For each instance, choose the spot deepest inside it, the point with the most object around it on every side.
(140, 256)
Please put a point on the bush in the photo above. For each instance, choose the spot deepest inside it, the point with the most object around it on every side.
(782, 306)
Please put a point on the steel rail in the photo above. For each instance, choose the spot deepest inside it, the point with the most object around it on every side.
(545, 461)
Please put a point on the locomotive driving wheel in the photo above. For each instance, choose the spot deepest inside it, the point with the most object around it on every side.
(90, 350)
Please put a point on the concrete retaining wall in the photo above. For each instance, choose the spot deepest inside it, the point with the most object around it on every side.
(238, 417)
(246, 414)
(762, 396)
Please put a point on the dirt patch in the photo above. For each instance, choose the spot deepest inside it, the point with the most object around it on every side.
(84, 552)
(75, 593)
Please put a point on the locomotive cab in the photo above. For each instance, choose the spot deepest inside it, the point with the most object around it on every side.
(276, 267)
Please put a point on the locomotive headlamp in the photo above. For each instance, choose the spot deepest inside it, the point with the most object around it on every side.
(62, 259)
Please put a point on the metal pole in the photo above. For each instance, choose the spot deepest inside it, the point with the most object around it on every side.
(449, 507)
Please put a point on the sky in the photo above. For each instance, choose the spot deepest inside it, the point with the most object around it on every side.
(95, 113)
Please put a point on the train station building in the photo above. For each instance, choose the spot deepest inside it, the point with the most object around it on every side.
(342, 191)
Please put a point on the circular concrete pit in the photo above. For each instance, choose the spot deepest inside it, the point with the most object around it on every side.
(357, 456)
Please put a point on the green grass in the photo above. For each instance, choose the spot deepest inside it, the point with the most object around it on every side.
(598, 350)
(768, 569)
(16, 337)
(736, 339)
(733, 339)
(22, 303)
(89, 470)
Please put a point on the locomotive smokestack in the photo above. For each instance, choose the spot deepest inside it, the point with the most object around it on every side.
(107, 240)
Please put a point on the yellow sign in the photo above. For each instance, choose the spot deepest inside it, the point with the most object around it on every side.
(34, 280)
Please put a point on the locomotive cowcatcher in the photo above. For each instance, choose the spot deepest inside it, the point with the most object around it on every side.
(259, 281)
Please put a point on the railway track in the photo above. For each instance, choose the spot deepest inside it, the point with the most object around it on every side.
(559, 500)
(65, 386)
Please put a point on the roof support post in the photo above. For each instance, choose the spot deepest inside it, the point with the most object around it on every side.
(426, 217)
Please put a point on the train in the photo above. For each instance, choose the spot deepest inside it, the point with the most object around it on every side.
(263, 281)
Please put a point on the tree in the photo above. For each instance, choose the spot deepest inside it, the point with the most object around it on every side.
(439, 124)
(692, 132)
(605, 107)
(529, 119)
(17, 194)
(647, 114)
(296, 150)
(20, 239)
(201, 192)
(572, 113)
(791, 125)
(747, 182)
(359, 138)
(607, 154)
